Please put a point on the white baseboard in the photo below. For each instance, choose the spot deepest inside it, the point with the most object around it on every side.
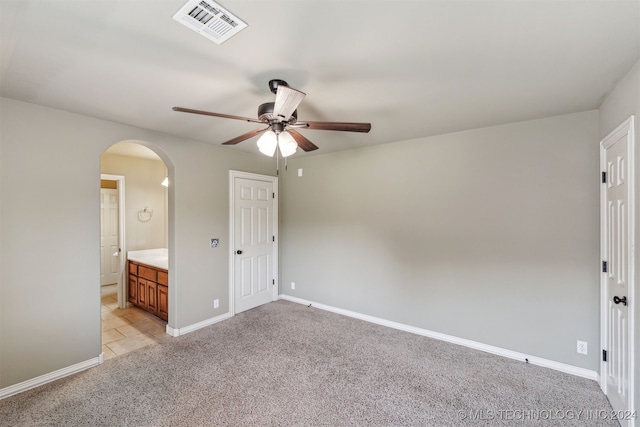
(562, 367)
(190, 328)
(51, 376)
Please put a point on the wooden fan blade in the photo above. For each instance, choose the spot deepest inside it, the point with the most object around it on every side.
(287, 100)
(341, 126)
(244, 136)
(208, 113)
(303, 142)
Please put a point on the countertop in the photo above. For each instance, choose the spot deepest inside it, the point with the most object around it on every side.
(158, 258)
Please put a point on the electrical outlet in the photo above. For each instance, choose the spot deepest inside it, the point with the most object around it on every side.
(293, 285)
(216, 303)
(215, 242)
(582, 347)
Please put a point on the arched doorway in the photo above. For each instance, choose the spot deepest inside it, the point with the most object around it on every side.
(135, 177)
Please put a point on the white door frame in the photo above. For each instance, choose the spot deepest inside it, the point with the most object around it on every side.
(121, 286)
(274, 180)
(626, 128)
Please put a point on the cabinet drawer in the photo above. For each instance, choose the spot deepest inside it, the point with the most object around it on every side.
(133, 268)
(163, 277)
(147, 273)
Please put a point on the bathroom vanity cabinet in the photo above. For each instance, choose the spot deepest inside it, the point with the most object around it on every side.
(149, 288)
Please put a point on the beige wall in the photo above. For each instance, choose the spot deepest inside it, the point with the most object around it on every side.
(49, 317)
(489, 235)
(142, 190)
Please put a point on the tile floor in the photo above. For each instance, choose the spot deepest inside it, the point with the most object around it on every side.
(128, 329)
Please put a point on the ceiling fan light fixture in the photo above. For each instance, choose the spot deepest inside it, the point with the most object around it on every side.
(287, 144)
(268, 143)
(278, 116)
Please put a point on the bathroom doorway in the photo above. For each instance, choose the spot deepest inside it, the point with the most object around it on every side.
(129, 322)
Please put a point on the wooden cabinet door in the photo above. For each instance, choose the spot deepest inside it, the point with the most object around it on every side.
(152, 297)
(143, 299)
(163, 302)
(133, 289)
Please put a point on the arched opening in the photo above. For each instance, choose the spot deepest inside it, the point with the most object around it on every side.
(134, 246)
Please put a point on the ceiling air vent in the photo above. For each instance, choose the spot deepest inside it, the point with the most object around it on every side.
(210, 20)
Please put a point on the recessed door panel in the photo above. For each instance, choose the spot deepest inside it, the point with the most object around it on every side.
(263, 227)
(246, 226)
(246, 193)
(262, 194)
(263, 273)
(246, 277)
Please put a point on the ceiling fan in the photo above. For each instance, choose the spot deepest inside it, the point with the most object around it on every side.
(281, 119)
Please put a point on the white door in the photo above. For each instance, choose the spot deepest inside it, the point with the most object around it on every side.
(109, 248)
(253, 242)
(617, 282)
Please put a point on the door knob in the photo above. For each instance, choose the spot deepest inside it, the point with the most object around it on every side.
(622, 300)
(239, 252)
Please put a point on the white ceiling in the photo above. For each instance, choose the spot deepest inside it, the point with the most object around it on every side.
(411, 68)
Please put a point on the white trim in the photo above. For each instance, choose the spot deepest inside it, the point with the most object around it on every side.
(51, 376)
(190, 328)
(122, 277)
(625, 128)
(562, 367)
(233, 174)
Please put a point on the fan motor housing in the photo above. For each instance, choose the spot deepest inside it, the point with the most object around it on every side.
(265, 113)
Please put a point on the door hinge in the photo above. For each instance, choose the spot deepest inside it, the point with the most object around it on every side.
(604, 355)
(273, 282)
(273, 195)
(604, 177)
(604, 266)
(273, 238)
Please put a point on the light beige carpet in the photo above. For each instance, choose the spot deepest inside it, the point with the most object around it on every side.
(284, 364)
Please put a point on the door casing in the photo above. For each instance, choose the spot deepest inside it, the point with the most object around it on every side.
(274, 180)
